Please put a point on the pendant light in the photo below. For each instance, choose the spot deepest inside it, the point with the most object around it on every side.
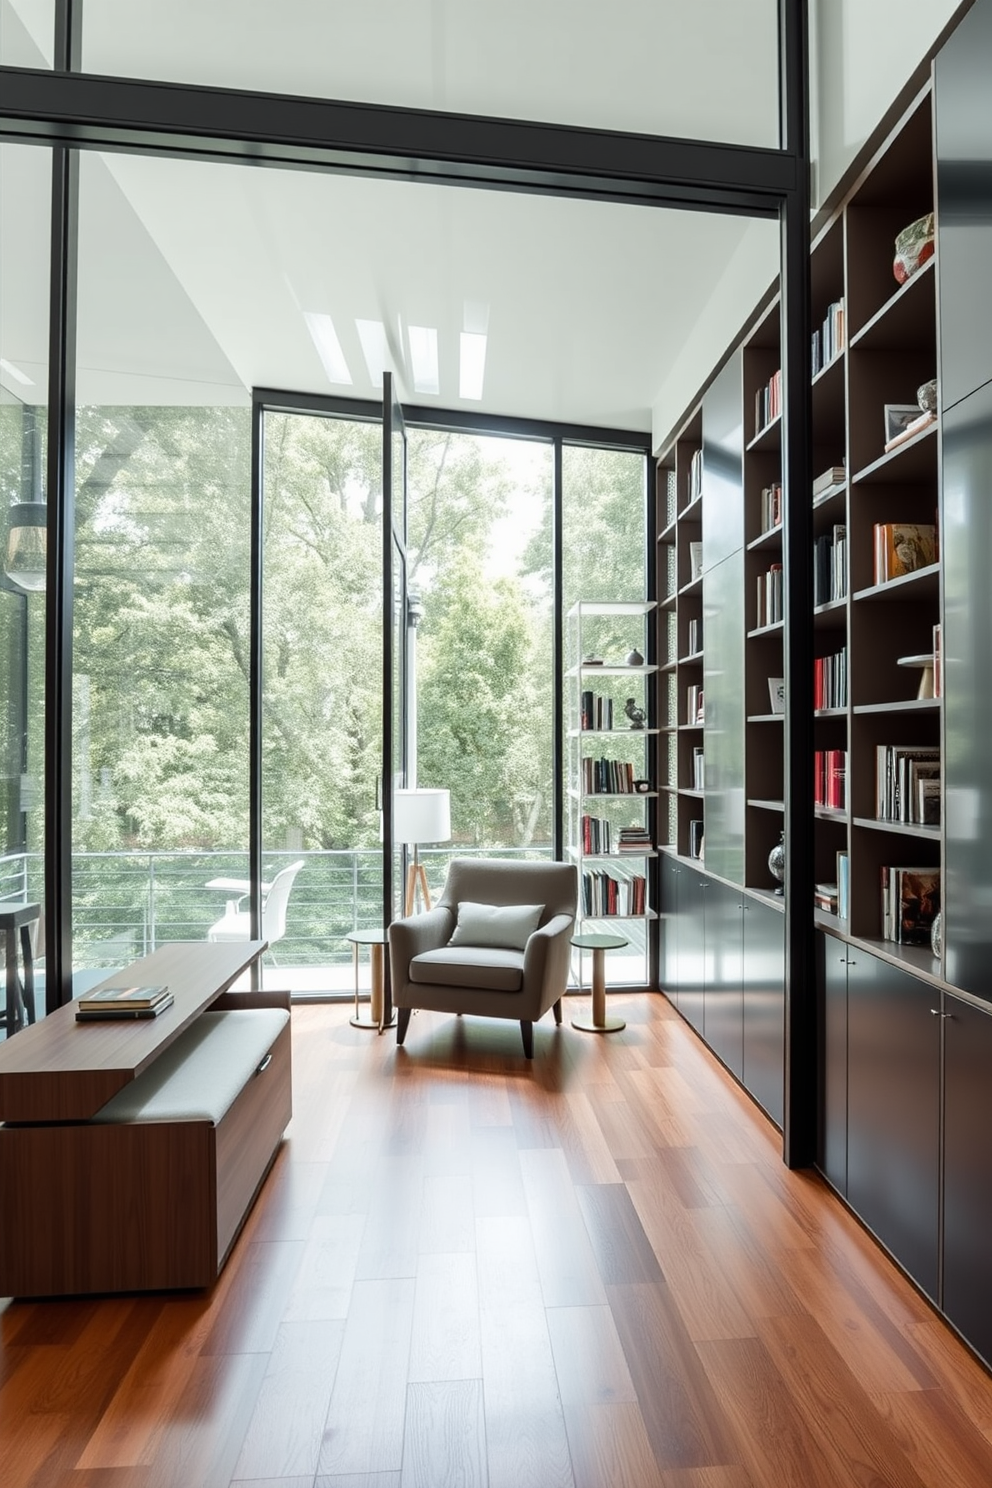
(27, 546)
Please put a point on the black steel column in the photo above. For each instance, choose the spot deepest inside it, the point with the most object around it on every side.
(653, 700)
(61, 537)
(799, 1125)
(557, 641)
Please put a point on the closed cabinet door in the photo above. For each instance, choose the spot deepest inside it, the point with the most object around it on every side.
(967, 1296)
(893, 1111)
(724, 991)
(833, 958)
(763, 972)
(693, 890)
(668, 947)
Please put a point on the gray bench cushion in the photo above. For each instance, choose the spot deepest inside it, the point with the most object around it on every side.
(464, 966)
(201, 1075)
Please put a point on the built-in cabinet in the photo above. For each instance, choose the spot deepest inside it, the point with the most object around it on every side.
(904, 1032)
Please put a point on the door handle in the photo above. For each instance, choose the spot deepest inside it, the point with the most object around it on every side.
(264, 1065)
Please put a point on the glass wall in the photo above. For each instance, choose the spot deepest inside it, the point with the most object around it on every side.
(480, 560)
(604, 506)
(27, 33)
(703, 71)
(25, 189)
(161, 612)
(321, 693)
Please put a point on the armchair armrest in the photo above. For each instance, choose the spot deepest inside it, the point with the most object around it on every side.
(546, 960)
(411, 937)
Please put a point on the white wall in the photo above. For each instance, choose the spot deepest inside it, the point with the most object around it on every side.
(864, 52)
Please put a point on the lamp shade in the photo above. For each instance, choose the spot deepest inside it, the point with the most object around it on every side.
(27, 545)
(421, 816)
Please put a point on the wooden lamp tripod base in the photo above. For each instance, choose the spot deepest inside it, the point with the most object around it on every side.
(415, 875)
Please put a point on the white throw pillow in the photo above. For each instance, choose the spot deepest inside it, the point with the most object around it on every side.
(506, 927)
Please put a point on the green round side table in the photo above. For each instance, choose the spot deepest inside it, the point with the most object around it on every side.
(599, 945)
(376, 940)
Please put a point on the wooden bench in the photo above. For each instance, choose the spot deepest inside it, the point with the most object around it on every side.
(132, 1151)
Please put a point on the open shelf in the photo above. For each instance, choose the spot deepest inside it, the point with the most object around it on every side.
(899, 829)
(923, 582)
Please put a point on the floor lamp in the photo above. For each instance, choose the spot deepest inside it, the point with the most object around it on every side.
(420, 816)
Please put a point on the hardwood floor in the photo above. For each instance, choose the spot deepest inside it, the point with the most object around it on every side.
(589, 1271)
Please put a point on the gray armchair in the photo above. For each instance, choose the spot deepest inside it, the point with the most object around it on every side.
(427, 972)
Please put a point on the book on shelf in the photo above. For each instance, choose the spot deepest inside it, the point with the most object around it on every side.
(696, 837)
(696, 475)
(900, 428)
(830, 779)
(825, 896)
(698, 768)
(605, 777)
(899, 771)
(910, 900)
(97, 1014)
(771, 507)
(596, 712)
(771, 607)
(843, 886)
(695, 561)
(830, 566)
(829, 340)
(928, 799)
(635, 840)
(695, 637)
(768, 402)
(694, 704)
(902, 548)
(597, 837)
(604, 895)
(830, 680)
(834, 476)
(776, 694)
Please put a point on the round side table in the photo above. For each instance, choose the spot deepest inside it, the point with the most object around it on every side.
(599, 945)
(375, 939)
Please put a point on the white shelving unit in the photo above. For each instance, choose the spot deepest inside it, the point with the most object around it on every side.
(610, 630)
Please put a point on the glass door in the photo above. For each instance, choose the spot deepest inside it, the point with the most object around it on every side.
(395, 699)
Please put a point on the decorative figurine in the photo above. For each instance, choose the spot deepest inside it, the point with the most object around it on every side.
(634, 658)
(635, 714)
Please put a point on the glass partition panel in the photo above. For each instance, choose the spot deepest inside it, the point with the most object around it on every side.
(321, 695)
(27, 33)
(703, 71)
(606, 745)
(25, 191)
(480, 561)
(161, 647)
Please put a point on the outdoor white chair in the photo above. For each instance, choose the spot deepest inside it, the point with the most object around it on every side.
(236, 923)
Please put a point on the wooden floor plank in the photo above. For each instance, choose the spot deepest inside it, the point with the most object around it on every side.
(444, 1444)
(589, 1358)
(447, 1214)
(944, 1448)
(445, 1343)
(566, 1261)
(285, 1431)
(360, 1480)
(608, 1444)
(364, 1428)
(622, 1249)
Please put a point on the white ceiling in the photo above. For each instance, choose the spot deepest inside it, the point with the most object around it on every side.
(194, 278)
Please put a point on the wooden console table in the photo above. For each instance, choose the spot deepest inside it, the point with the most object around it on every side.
(138, 1205)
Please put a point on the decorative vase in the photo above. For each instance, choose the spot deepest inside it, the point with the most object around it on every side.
(634, 658)
(936, 932)
(776, 862)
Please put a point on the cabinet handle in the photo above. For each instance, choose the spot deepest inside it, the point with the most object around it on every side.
(264, 1065)
(935, 1012)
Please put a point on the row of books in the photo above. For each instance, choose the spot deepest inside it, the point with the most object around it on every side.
(830, 778)
(123, 1002)
(830, 566)
(695, 637)
(597, 836)
(696, 475)
(595, 712)
(604, 777)
(768, 402)
(696, 837)
(907, 783)
(902, 548)
(910, 901)
(698, 770)
(604, 895)
(771, 507)
(830, 680)
(695, 703)
(835, 898)
(829, 340)
(771, 606)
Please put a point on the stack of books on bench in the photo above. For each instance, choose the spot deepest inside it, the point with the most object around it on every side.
(122, 1002)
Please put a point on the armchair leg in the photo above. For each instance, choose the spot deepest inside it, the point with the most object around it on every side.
(557, 1011)
(527, 1032)
(402, 1023)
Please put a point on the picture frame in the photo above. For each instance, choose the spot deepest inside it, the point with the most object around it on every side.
(898, 417)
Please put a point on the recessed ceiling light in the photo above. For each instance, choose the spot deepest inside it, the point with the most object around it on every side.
(16, 373)
(423, 355)
(325, 338)
(372, 334)
(472, 365)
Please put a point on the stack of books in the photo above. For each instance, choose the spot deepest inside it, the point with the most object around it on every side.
(635, 840)
(122, 1002)
(827, 479)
